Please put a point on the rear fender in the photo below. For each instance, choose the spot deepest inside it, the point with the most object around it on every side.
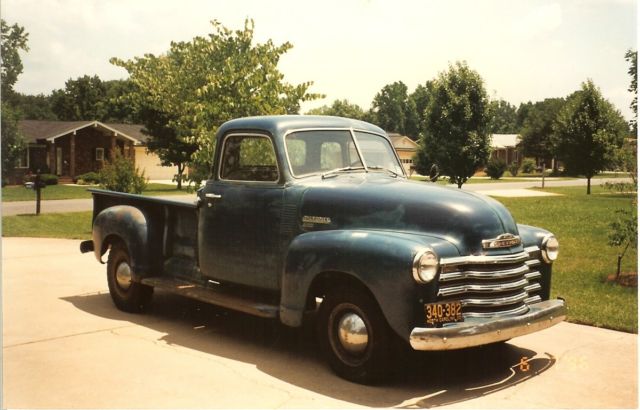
(129, 225)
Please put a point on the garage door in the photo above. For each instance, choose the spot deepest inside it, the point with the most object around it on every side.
(150, 163)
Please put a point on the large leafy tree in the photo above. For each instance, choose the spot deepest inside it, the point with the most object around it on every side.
(504, 118)
(185, 94)
(340, 108)
(455, 136)
(13, 40)
(394, 111)
(588, 132)
(537, 128)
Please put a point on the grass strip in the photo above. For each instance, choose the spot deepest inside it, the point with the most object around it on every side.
(54, 192)
(72, 225)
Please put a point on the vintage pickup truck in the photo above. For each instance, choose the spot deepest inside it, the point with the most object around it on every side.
(306, 214)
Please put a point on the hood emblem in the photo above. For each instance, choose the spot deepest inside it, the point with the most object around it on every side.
(506, 240)
(313, 220)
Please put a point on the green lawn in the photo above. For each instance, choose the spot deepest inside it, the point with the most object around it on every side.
(19, 193)
(72, 225)
(581, 224)
(579, 221)
(485, 180)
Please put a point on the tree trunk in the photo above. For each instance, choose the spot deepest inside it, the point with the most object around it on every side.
(180, 171)
(588, 185)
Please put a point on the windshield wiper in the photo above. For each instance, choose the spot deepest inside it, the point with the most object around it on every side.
(336, 171)
(392, 173)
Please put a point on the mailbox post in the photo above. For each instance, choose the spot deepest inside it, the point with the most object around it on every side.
(36, 185)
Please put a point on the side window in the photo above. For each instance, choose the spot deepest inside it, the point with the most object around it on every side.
(248, 158)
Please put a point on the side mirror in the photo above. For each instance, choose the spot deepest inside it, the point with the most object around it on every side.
(434, 173)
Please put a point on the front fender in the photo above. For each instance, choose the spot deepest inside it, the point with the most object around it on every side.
(128, 224)
(381, 261)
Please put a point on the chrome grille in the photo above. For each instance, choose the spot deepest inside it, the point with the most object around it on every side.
(489, 286)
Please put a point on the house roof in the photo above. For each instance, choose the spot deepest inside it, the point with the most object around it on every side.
(402, 142)
(34, 130)
(504, 140)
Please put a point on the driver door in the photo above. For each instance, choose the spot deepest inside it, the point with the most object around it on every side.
(239, 222)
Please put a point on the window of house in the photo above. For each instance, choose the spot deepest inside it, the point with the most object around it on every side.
(23, 159)
(99, 154)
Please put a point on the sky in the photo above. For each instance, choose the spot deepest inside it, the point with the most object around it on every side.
(524, 50)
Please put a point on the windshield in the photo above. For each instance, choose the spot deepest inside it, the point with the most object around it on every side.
(321, 151)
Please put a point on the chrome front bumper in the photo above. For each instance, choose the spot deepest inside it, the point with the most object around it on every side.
(476, 332)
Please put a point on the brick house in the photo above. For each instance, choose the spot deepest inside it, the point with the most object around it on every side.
(505, 147)
(72, 148)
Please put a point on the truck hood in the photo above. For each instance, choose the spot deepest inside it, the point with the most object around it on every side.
(378, 201)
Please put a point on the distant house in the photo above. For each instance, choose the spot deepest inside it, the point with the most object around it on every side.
(72, 148)
(406, 149)
(505, 147)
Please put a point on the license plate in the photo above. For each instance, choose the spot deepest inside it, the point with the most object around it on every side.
(445, 312)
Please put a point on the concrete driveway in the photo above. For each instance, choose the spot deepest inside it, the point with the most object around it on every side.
(66, 346)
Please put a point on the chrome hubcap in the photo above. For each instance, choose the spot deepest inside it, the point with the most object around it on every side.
(123, 275)
(352, 333)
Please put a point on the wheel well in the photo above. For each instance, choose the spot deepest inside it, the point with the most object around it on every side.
(109, 241)
(327, 281)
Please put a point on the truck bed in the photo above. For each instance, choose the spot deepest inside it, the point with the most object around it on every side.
(173, 229)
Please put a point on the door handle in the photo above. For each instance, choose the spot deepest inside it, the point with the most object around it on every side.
(213, 196)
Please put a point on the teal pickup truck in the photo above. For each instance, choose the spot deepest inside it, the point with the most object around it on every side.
(315, 214)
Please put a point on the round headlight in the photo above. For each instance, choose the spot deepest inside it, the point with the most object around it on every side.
(550, 247)
(425, 266)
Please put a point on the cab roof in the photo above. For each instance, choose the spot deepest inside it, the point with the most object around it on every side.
(281, 124)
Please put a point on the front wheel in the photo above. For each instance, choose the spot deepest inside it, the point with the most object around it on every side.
(354, 336)
(127, 295)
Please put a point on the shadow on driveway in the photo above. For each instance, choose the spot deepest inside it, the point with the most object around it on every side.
(420, 379)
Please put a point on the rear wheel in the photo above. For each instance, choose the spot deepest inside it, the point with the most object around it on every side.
(354, 336)
(127, 295)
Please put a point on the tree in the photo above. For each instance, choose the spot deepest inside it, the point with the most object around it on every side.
(455, 136)
(588, 132)
(537, 128)
(420, 97)
(89, 98)
(13, 40)
(393, 110)
(340, 108)
(504, 118)
(33, 107)
(632, 58)
(184, 95)
(81, 99)
(12, 142)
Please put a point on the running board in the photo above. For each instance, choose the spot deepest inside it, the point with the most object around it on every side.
(214, 296)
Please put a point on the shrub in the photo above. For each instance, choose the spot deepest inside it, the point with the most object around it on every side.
(495, 168)
(528, 166)
(88, 178)
(49, 179)
(122, 175)
(514, 168)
